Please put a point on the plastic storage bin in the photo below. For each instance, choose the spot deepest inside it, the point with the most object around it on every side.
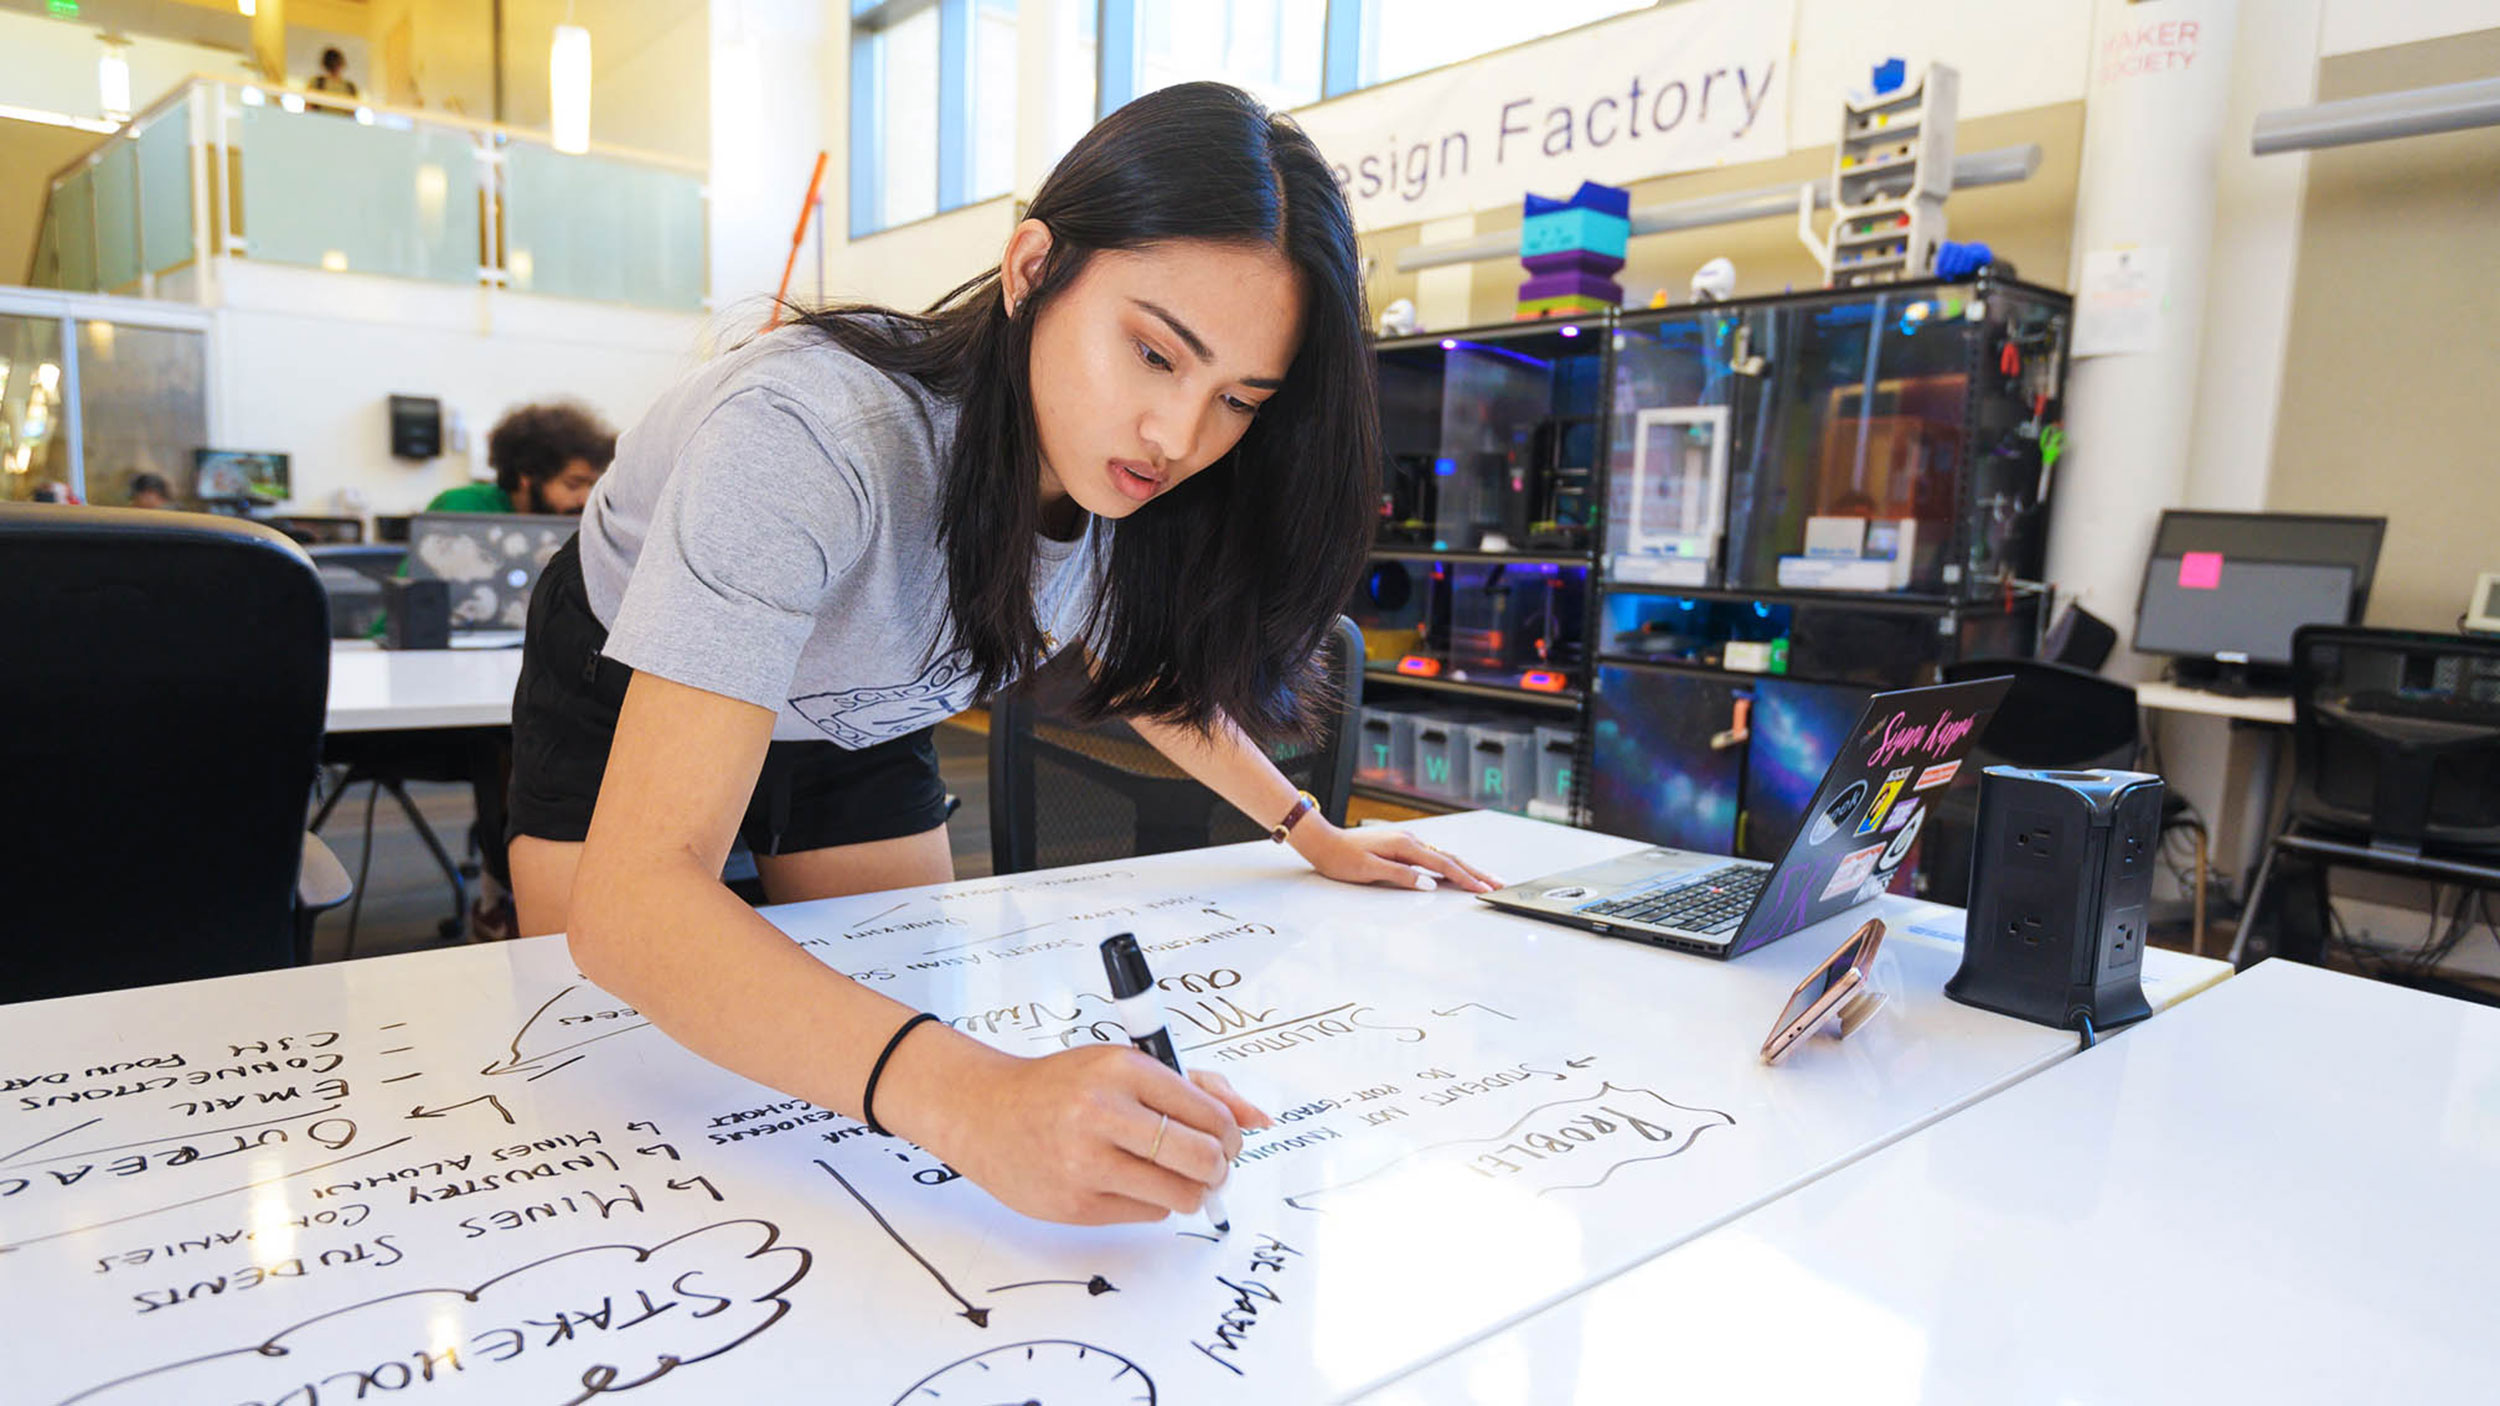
(1386, 745)
(1501, 773)
(1442, 757)
(1557, 750)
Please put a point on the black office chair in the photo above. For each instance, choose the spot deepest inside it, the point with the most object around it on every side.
(1063, 792)
(167, 675)
(354, 578)
(2055, 717)
(2396, 768)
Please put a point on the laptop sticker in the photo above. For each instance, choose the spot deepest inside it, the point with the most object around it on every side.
(1901, 815)
(1841, 811)
(1884, 796)
(1899, 849)
(1855, 868)
(1941, 774)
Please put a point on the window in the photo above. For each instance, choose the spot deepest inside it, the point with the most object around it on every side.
(1404, 37)
(1270, 48)
(1072, 52)
(933, 108)
(933, 82)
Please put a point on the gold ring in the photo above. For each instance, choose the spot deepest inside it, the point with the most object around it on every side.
(1160, 1128)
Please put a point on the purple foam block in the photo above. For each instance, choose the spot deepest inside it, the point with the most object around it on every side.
(1573, 261)
(1571, 285)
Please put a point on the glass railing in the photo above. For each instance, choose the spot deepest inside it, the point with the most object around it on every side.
(247, 172)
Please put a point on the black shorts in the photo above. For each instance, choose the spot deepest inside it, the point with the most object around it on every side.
(810, 795)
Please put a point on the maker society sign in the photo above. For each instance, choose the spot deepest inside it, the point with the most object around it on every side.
(1675, 88)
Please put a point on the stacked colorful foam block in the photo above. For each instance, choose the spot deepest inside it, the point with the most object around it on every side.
(1573, 249)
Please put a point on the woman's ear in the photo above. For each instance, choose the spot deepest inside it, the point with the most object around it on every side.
(1028, 249)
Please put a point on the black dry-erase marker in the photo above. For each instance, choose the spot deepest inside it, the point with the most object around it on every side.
(1141, 1014)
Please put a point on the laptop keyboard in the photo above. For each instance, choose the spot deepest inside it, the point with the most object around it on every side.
(1711, 902)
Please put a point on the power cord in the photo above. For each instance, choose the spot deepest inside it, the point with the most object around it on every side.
(2089, 1039)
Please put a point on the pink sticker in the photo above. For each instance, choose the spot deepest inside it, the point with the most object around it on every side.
(2200, 571)
(1856, 867)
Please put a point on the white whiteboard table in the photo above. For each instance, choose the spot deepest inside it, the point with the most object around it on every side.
(469, 1170)
(373, 689)
(2282, 1192)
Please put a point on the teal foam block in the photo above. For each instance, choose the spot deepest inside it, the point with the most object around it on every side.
(1563, 230)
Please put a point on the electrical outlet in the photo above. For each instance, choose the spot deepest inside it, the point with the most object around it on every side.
(2033, 840)
(2025, 928)
(2132, 851)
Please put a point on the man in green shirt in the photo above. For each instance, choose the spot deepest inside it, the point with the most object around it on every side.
(546, 459)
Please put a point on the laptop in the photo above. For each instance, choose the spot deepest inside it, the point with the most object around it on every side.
(490, 562)
(1906, 749)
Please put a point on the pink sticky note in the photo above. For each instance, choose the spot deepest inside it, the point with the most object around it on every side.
(2200, 571)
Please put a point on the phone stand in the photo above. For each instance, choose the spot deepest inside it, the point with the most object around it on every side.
(1873, 994)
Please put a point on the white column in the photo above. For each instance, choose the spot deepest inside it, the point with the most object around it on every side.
(2156, 99)
(768, 64)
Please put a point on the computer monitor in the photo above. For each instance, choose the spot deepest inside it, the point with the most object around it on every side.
(239, 476)
(2223, 592)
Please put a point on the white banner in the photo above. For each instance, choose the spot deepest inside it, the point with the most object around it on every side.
(1676, 88)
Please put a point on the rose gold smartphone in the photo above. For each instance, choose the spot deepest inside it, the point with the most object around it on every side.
(1824, 990)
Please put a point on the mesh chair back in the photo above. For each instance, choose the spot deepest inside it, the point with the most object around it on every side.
(2396, 736)
(2055, 717)
(168, 675)
(1065, 792)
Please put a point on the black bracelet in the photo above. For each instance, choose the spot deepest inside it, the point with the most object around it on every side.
(868, 1100)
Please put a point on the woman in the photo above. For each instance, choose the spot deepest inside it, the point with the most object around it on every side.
(1150, 433)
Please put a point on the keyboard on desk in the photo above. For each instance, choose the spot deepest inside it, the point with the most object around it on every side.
(1711, 902)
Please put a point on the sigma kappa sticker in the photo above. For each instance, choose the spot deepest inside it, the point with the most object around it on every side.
(1884, 796)
(1843, 808)
(1941, 774)
(1855, 868)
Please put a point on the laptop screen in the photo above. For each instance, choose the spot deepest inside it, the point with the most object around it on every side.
(490, 561)
(1906, 748)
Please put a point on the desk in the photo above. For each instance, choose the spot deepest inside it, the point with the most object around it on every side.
(2252, 774)
(469, 1161)
(2272, 709)
(2281, 1192)
(376, 690)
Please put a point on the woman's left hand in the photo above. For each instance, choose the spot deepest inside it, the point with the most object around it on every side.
(1380, 854)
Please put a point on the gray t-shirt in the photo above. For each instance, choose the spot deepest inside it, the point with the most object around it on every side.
(769, 532)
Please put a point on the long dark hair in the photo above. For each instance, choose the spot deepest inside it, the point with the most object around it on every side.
(1221, 592)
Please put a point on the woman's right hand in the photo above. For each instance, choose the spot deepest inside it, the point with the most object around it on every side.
(1080, 1136)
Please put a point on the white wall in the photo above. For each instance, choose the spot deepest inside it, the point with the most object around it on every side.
(307, 362)
(2353, 25)
(2010, 54)
(49, 64)
(775, 80)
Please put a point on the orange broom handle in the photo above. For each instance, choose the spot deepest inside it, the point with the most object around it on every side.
(807, 207)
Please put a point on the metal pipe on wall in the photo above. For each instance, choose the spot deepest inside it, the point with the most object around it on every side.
(2003, 166)
(2416, 112)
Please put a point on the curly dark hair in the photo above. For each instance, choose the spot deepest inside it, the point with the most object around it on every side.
(535, 442)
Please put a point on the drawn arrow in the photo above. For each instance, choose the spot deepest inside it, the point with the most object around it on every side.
(1096, 1286)
(516, 1061)
(421, 1111)
(1479, 1005)
(980, 1316)
(1582, 1062)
